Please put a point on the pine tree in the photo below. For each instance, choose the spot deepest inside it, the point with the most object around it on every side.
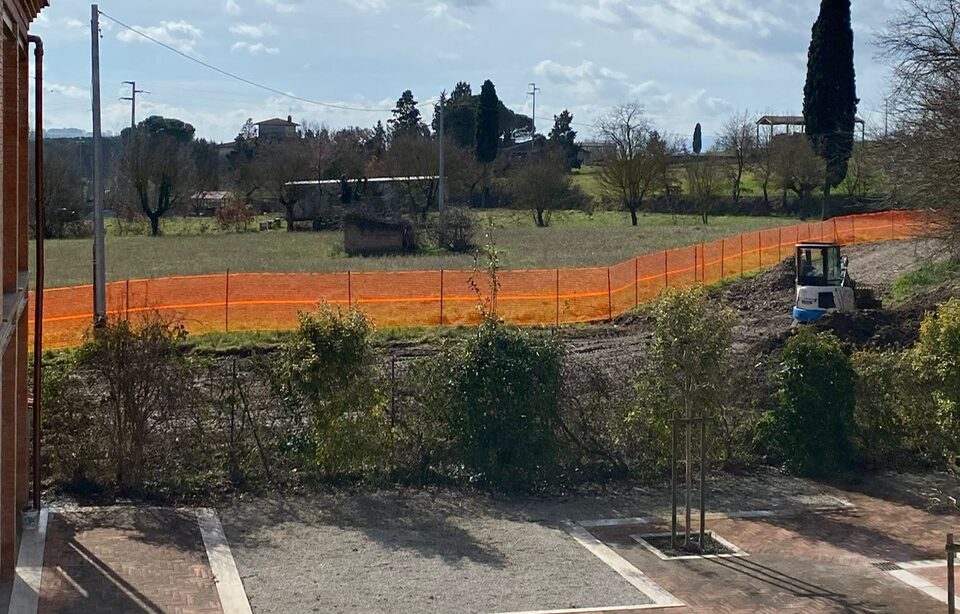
(830, 94)
(697, 139)
(564, 137)
(406, 118)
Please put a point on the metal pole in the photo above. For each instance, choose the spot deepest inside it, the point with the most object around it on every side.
(99, 274)
(951, 587)
(441, 297)
(636, 281)
(133, 101)
(609, 295)
(723, 258)
(558, 297)
(40, 212)
(226, 304)
(533, 92)
(666, 269)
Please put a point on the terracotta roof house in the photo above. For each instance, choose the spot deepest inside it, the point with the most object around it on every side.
(277, 128)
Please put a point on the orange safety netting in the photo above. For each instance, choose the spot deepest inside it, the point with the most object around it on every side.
(272, 301)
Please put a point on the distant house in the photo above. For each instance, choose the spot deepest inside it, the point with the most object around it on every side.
(277, 128)
(208, 203)
(592, 152)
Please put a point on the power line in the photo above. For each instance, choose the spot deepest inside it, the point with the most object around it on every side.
(237, 77)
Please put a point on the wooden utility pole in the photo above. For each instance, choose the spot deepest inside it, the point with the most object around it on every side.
(99, 276)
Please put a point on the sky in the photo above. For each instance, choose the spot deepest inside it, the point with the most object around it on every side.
(685, 61)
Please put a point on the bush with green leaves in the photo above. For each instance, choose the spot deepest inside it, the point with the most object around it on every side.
(932, 395)
(880, 430)
(498, 395)
(685, 373)
(328, 372)
(813, 424)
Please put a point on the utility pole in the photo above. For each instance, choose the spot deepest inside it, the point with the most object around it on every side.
(533, 92)
(443, 181)
(133, 101)
(99, 276)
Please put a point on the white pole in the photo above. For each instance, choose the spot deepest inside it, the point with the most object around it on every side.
(99, 276)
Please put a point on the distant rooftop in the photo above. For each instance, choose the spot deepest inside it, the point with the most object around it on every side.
(276, 121)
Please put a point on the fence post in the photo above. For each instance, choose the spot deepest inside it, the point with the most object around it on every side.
(780, 244)
(723, 258)
(760, 249)
(349, 291)
(951, 587)
(226, 304)
(666, 270)
(741, 255)
(853, 226)
(636, 281)
(609, 295)
(696, 264)
(893, 224)
(441, 297)
(127, 310)
(558, 297)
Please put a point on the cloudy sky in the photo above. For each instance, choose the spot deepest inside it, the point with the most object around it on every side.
(686, 61)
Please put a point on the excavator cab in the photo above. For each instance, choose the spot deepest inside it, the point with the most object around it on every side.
(823, 285)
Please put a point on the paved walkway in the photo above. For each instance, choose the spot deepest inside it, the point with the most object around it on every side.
(126, 559)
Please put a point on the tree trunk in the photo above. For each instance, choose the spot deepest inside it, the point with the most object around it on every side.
(540, 222)
(154, 224)
(825, 207)
(288, 210)
(633, 216)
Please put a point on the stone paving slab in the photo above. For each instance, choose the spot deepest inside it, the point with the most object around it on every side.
(115, 560)
(821, 561)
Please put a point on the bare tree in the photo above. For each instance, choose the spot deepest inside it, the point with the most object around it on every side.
(923, 43)
(796, 167)
(704, 182)
(633, 158)
(738, 139)
(763, 166)
(413, 156)
(543, 185)
(278, 163)
(65, 207)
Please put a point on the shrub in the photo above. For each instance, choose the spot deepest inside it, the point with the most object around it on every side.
(235, 215)
(457, 232)
(686, 370)
(499, 397)
(932, 398)
(813, 423)
(329, 372)
(880, 429)
(139, 380)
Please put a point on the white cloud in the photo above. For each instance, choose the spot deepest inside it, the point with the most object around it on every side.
(67, 91)
(254, 49)
(283, 6)
(585, 80)
(251, 30)
(180, 35)
(232, 7)
(367, 6)
(441, 12)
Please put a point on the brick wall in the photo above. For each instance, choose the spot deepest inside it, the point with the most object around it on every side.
(15, 435)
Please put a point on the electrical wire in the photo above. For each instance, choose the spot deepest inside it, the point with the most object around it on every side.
(241, 79)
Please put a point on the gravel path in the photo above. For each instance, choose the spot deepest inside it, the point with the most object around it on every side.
(454, 551)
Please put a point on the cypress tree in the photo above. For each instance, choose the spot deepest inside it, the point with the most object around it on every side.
(830, 94)
(488, 123)
(697, 139)
(488, 133)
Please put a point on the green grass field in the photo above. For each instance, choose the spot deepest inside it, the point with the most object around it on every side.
(574, 239)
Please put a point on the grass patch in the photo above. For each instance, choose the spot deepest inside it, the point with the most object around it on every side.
(925, 276)
(574, 239)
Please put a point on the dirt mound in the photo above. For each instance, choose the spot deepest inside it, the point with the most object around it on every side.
(895, 328)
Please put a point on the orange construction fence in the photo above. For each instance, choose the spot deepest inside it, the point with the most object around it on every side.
(272, 301)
